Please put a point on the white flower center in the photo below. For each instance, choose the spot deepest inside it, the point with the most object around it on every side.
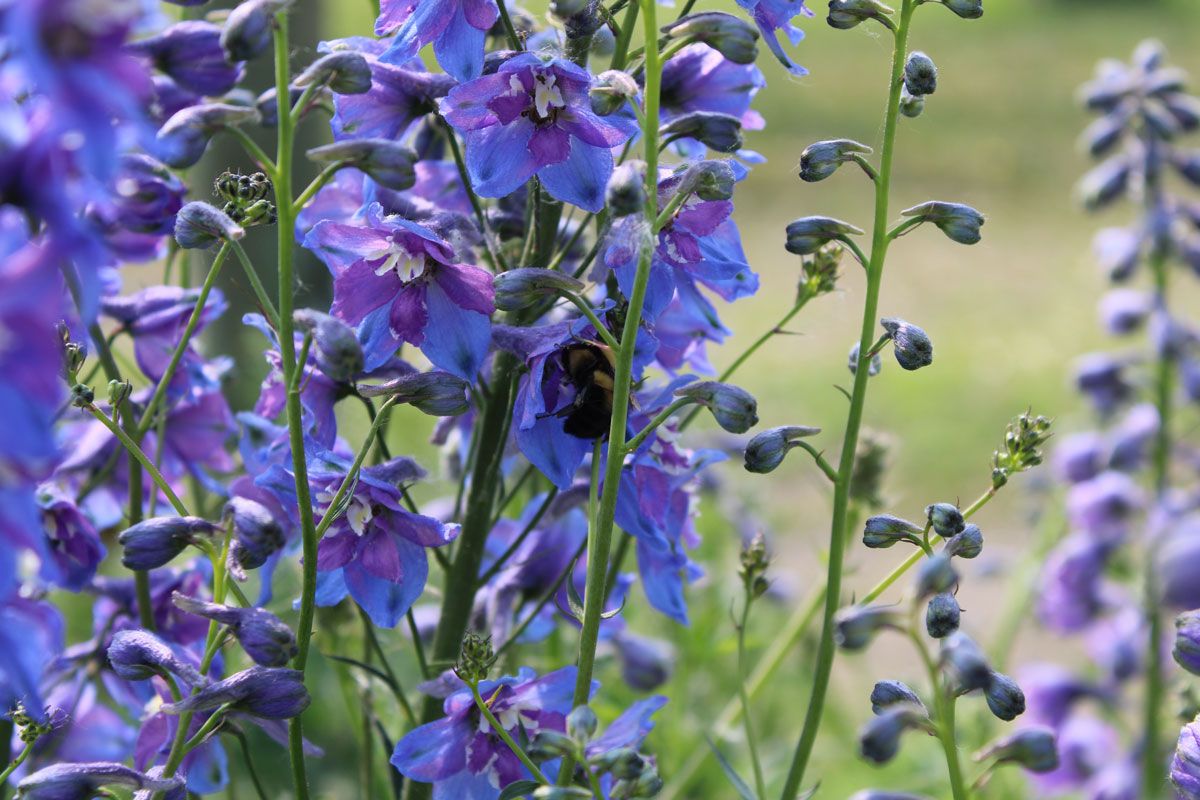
(396, 256)
(545, 94)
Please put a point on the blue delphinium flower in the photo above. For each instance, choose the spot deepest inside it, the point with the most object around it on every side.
(73, 544)
(457, 29)
(772, 16)
(534, 118)
(401, 93)
(31, 634)
(698, 78)
(375, 551)
(399, 282)
(462, 756)
(190, 53)
(155, 318)
(78, 781)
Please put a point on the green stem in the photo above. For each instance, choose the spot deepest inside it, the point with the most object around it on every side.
(508, 740)
(598, 548)
(246, 757)
(653, 425)
(16, 762)
(503, 558)
(943, 704)
(252, 149)
(210, 725)
(393, 681)
(164, 383)
(323, 177)
(513, 39)
(137, 453)
(260, 291)
(285, 225)
(747, 720)
(601, 329)
(841, 495)
(347, 485)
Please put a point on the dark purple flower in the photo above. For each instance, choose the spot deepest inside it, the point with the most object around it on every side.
(1101, 378)
(73, 544)
(398, 282)
(1185, 765)
(1103, 506)
(398, 98)
(1053, 691)
(772, 16)
(457, 29)
(1178, 562)
(462, 756)
(1071, 583)
(534, 118)
(267, 692)
(190, 53)
(375, 550)
(155, 318)
(138, 655)
(1080, 457)
(698, 78)
(264, 637)
(81, 781)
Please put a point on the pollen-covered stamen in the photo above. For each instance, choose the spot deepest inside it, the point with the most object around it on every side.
(547, 97)
(395, 256)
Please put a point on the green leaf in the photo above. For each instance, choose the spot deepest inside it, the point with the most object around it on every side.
(743, 790)
(518, 789)
(573, 599)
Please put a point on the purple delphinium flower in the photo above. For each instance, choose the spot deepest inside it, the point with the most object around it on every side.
(699, 246)
(1052, 691)
(457, 29)
(81, 781)
(375, 550)
(31, 634)
(398, 282)
(699, 78)
(776, 15)
(1185, 765)
(155, 319)
(1103, 506)
(73, 544)
(266, 692)
(190, 53)
(400, 95)
(534, 118)
(1071, 584)
(462, 756)
(1085, 745)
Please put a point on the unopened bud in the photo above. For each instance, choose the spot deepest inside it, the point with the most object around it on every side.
(199, 225)
(708, 180)
(735, 409)
(846, 14)
(935, 575)
(582, 724)
(182, 139)
(476, 658)
(720, 132)
(912, 346)
(959, 222)
(437, 393)
(1105, 183)
(911, 105)
(890, 693)
(942, 615)
(521, 288)
(1004, 697)
(1034, 748)
(920, 74)
(611, 90)
(343, 71)
(248, 28)
(965, 662)
(879, 740)
(822, 159)
(338, 351)
(873, 366)
(626, 190)
(967, 9)
(807, 235)
(885, 530)
(967, 543)
(118, 392)
(389, 163)
(945, 518)
(153, 542)
(766, 451)
(856, 626)
(730, 36)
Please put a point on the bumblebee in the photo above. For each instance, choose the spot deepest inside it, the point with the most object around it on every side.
(589, 367)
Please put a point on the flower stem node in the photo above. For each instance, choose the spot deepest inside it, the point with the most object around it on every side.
(734, 409)
(959, 222)
(730, 36)
(807, 235)
(884, 530)
(1034, 748)
(343, 71)
(920, 74)
(913, 347)
(390, 164)
(846, 14)
(766, 450)
(476, 659)
(199, 225)
(821, 159)
(942, 615)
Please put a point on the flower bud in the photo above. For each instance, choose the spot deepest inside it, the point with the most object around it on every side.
(521, 288)
(942, 615)
(807, 235)
(256, 533)
(766, 450)
(582, 724)
(119, 392)
(338, 352)
(822, 159)
(646, 663)
(967, 9)
(735, 409)
(182, 139)
(966, 662)
(153, 542)
(1124, 310)
(1102, 135)
(959, 222)
(148, 195)
(82, 396)
(1185, 764)
(967, 543)
(344, 71)
(199, 225)
(730, 36)
(264, 637)
(911, 105)
(611, 90)
(873, 368)
(884, 530)
(266, 692)
(87, 780)
(708, 180)
(551, 744)
(846, 14)
(626, 190)
(1004, 697)
(920, 74)
(475, 659)
(856, 626)
(945, 518)
(879, 739)
(1104, 183)
(389, 163)
(720, 132)
(190, 53)
(437, 393)
(890, 693)
(267, 104)
(248, 28)
(1034, 748)
(1187, 641)
(913, 348)
(138, 655)
(935, 575)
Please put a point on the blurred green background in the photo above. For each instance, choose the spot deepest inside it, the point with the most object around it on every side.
(1007, 318)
